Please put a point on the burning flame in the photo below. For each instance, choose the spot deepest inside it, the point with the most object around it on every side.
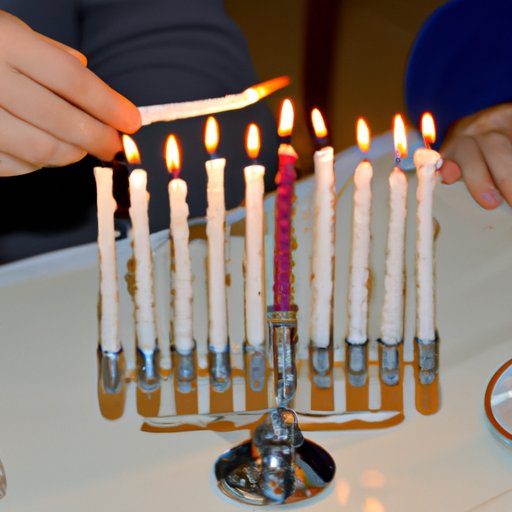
(130, 150)
(252, 141)
(172, 155)
(428, 128)
(363, 135)
(399, 137)
(286, 119)
(211, 135)
(318, 124)
(264, 89)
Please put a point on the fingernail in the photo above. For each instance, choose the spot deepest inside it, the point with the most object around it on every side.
(492, 196)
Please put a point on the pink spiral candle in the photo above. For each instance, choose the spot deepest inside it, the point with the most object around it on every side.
(284, 204)
(283, 230)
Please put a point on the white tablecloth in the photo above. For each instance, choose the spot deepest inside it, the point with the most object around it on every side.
(60, 455)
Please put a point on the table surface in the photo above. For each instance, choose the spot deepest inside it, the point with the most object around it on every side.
(61, 455)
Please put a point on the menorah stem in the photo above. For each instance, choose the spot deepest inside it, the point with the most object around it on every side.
(283, 338)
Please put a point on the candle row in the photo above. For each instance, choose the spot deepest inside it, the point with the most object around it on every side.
(323, 245)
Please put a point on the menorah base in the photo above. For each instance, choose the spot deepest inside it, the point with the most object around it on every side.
(238, 473)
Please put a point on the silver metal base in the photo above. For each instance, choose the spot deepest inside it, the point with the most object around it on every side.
(148, 376)
(238, 474)
(428, 359)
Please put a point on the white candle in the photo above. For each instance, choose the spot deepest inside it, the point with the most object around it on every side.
(359, 266)
(215, 233)
(109, 305)
(183, 339)
(144, 297)
(215, 218)
(323, 247)
(172, 111)
(254, 299)
(391, 330)
(427, 161)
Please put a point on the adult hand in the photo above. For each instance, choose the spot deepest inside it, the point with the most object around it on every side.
(53, 110)
(478, 149)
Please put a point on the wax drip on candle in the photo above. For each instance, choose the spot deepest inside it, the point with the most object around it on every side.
(319, 128)
(285, 180)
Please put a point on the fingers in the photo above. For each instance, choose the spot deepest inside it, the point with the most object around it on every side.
(36, 105)
(11, 166)
(68, 78)
(74, 53)
(465, 151)
(450, 171)
(34, 146)
(497, 149)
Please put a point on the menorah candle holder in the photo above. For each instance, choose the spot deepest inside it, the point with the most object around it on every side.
(321, 365)
(427, 375)
(356, 363)
(219, 364)
(390, 367)
(112, 371)
(277, 465)
(185, 364)
(148, 370)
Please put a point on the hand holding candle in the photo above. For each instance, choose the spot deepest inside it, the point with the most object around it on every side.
(182, 299)
(427, 161)
(254, 191)
(285, 180)
(323, 236)
(144, 296)
(359, 271)
(391, 331)
(215, 217)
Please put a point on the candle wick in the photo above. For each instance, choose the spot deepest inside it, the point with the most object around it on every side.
(397, 160)
(285, 139)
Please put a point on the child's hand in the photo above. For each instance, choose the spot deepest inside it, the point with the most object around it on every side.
(53, 110)
(478, 148)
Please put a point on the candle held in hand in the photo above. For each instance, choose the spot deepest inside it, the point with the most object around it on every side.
(182, 298)
(359, 271)
(215, 232)
(254, 290)
(324, 200)
(285, 180)
(427, 161)
(109, 305)
(391, 331)
(144, 295)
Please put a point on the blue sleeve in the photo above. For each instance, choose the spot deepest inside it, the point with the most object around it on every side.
(461, 61)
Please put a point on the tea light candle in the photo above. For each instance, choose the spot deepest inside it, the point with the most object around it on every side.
(144, 295)
(109, 304)
(391, 330)
(215, 232)
(254, 191)
(359, 271)
(182, 298)
(427, 162)
(324, 200)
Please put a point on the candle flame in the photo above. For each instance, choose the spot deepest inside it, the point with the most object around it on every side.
(252, 141)
(318, 124)
(264, 89)
(130, 150)
(211, 135)
(172, 155)
(363, 135)
(286, 119)
(399, 137)
(428, 128)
